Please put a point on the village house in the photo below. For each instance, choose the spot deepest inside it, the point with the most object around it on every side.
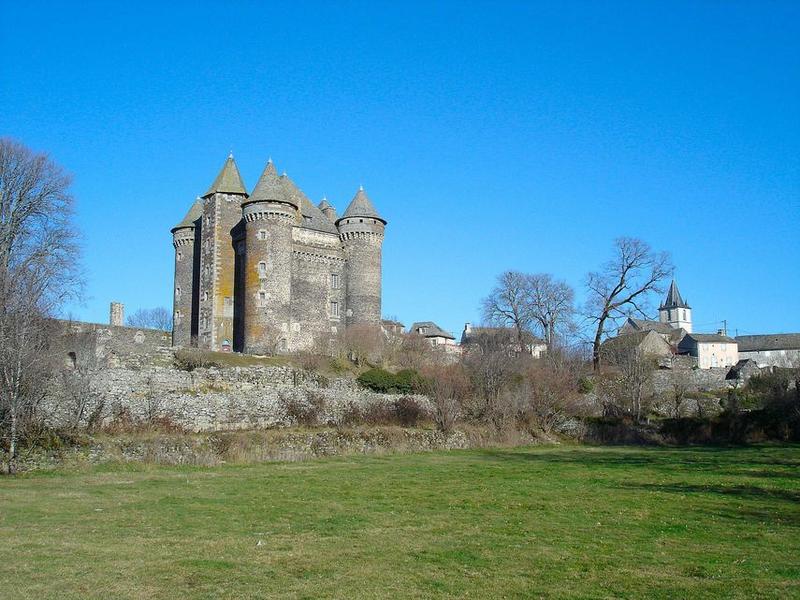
(532, 345)
(771, 350)
(436, 336)
(711, 350)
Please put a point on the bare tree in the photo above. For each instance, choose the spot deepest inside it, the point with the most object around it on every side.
(628, 387)
(447, 386)
(151, 318)
(508, 304)
(361, 343)
(550, 303)
(38, 273)
(623, 285)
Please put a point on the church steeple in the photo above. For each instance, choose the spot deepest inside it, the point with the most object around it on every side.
(674, 299)
(229, 181)
(675, 310)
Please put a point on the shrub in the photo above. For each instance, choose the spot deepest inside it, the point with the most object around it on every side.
(379, 380)
(303, 411)
(585, 385)
(408, 411)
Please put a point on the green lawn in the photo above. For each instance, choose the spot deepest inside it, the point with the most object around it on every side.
(548, 522)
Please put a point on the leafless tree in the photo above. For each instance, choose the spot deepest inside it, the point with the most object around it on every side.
(550, 303)
(493, 365)
(623, 285)
(447, 386)
(38, 273)
(361, 343)
(628, 386)
(151, 318)
(509, 304)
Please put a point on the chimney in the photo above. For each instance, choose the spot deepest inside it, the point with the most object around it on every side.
(117, 314)
(467, 328)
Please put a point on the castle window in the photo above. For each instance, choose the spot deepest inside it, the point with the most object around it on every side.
(262, 269)
(177, 293)
(177, 317)
(205, 296)
(262, 234)
(180, 256)
(335, 281)
(262, 298)
(334, 309)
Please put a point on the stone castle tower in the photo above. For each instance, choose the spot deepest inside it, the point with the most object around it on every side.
(271, 272)
(675, 311)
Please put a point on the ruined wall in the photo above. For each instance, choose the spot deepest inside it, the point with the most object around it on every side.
(219, 399)
(109, 345)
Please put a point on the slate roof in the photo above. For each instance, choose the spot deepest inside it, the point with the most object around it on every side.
(768, 341)
(433, 330)
(709, 338)
(325, 205)
(312, 217)
(674, 299)
(270, 187)
(646, 325)
(229, 180)
(195, 212)
(361, 206)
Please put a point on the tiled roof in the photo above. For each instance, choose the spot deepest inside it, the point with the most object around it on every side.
(710, 338)
(195, 212)
(312, 217)
(270, 187)
(674, 299)
(229, 181)
(769, 341)
(431, 330)
(646, 325)
(361, 206)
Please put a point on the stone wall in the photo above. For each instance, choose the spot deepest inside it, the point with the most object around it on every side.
(218, 399)
(98, 346)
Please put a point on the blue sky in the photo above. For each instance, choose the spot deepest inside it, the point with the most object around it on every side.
(491, 136)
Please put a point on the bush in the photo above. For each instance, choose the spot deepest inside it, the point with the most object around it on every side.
(379, 380)
(189, 359)
(305, 411)
(585, 385)
(408, 411)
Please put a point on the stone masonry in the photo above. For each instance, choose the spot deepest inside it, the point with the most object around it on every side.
(269, 271)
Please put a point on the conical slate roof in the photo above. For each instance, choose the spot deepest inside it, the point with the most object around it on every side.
(195, 212)
(674, 299)
(311, 217)
(229, 181)
(361, 206)
(271, 187)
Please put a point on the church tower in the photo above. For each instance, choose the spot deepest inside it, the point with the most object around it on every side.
(361, 231)
(222, 213)
(675, 311)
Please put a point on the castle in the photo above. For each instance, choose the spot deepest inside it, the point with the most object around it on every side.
(269, 271)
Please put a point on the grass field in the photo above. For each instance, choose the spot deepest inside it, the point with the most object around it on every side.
(550, 522)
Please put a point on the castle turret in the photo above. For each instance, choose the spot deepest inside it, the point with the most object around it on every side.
(185, 240)
(269, 215)
(675, 311)
(222, 214)
(328, 210)
(361, 231)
